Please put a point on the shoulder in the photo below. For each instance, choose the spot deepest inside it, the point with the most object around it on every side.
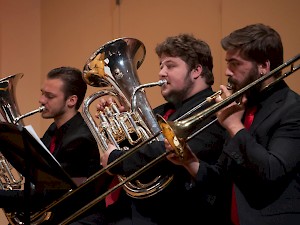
(161, 108)
(77, 128)
(288, 99)
(77, 122)
(49, 132)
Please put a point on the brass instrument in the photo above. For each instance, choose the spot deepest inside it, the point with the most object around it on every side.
(11, 179)
(189, 126)
(177, 132)
(114, 67)
(93, 178)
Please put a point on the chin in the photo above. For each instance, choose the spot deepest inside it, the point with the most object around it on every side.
(45, 116)
(165, 93)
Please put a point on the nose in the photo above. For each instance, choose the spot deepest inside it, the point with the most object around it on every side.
(42, 100)
(228, 72)
(162, 73)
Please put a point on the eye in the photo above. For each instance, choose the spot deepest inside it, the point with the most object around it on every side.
(48, 95)
(51, 96)
(233, 64)
(170, 66)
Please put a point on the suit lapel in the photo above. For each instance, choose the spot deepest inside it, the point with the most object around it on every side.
(267, 107)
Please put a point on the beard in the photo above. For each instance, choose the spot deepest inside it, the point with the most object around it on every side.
(252, 76)
(177, 96)
(56, 113)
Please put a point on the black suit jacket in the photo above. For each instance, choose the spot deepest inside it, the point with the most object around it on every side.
(264, 162)
(179, 196)
(77, 152)
(76, 149)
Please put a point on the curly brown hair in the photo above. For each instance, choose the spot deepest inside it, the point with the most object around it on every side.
(191, 50)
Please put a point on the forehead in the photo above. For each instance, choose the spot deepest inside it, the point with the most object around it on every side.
(167, 59)
(52, 85)
(234, 55)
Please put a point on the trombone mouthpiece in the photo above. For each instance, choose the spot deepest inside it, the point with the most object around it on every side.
(229, 86)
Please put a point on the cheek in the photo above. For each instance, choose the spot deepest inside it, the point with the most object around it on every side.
(177, 81)
(55, 103)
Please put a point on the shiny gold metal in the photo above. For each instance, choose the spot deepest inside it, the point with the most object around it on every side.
(183, 133)
(177, 132)
(114, 68)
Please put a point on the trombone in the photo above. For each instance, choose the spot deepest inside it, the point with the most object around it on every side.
(176, 131)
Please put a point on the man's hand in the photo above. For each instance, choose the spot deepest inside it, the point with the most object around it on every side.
(230, 117)
(189, 160)
(106, 102)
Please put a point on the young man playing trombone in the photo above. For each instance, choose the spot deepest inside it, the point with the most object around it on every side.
(260, 161)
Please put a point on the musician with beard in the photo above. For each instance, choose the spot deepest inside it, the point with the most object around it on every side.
(260, 161)
(186, 64)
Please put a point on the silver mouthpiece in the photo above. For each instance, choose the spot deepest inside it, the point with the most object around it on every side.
(40, 109)
(161, 82)
(138, 88)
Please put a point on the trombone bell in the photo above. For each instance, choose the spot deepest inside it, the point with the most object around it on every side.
(176, 143)
(179, 131)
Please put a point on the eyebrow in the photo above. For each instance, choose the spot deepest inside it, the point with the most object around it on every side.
(228, 60)
(166, 61)
(47, 92)
(231, 59)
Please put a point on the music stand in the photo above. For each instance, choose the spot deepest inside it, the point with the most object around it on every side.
(32, 159)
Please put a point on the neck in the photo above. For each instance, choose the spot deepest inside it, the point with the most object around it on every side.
(196, 89)
(61, 120)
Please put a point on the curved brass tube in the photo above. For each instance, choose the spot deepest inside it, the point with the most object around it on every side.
(40, 109)
(181, 130)
(91, 179)
(178, 131)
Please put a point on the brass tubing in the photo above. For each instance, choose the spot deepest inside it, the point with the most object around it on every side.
(101, 197)
(188, 125)
(91, 178)
(40, 109)
(184, 128)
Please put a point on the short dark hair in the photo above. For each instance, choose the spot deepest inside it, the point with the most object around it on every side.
(191, 50)
(257, 42)
(73, 82)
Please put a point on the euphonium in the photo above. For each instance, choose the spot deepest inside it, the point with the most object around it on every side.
(178, 132)
(11, 179)
(114, 68)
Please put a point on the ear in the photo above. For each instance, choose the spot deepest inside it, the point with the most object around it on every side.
(196, 72)
(264, 68)
(72, 100)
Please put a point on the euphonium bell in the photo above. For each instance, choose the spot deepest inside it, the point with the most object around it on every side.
(114, 68)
